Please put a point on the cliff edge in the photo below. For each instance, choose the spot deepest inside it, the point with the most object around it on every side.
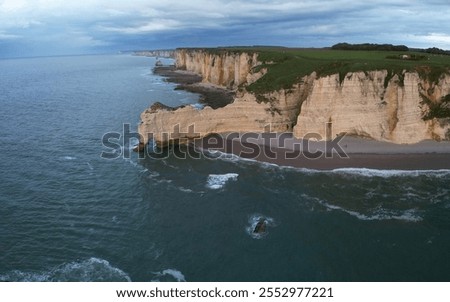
(405, 105)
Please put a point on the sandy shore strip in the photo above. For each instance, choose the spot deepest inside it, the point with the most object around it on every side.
(349, 152)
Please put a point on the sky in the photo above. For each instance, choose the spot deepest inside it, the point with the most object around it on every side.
(54, 27)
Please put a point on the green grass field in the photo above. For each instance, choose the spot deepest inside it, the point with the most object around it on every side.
(286, 66)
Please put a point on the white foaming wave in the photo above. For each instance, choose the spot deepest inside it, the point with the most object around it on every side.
(343, 171)
(175, 274)
(390, 173)
(69, 157)
(216, 154)
(218, 181)
(93, 269)
(253, 221)
(185, 190)
(409, 215)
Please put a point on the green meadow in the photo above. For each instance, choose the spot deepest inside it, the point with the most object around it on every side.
(287, 66)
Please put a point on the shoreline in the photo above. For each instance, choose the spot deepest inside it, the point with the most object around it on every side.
(283, 149)
(362, 153)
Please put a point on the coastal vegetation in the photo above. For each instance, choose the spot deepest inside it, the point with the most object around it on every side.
(286, 66)
(369, 47)
(439, 109)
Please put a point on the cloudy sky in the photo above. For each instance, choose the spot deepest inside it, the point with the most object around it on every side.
(56, 27)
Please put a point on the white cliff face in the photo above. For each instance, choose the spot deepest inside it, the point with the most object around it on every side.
(227, 69)
(243, 115)
(362, 106)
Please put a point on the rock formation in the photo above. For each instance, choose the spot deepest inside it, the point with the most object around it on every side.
(260, 227)
(366, 104)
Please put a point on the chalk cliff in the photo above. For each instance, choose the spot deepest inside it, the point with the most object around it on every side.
(162, 53)
(366, 104)
(363, 105)
(227, 69)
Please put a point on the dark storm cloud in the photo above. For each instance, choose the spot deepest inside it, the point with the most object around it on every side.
(62, 27)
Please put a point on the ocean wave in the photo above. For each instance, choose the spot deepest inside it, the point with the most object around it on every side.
(218, 181)
(254, 220)
(69, 157)
(365, 172)
(185, 190)
(409, 215)
(390, 173)
(169, 275)
(216, 154)
(92, 269)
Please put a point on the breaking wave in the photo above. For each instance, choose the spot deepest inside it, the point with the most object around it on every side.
(93, 269)
(218, 181)
(409, 215)
(365, 172)
(390, 173)
(169, 275)
(377, 213)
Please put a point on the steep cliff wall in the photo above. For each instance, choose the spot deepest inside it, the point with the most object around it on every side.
(371, 104)
(223, 68)
(363, 105)
(245, 114)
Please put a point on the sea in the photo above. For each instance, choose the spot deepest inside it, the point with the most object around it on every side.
(67, 213)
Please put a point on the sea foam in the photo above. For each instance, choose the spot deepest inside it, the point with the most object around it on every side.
(409, 215)
(365, 172)
(390, 173)
(168, 275)
(218, 181)
(92, 269)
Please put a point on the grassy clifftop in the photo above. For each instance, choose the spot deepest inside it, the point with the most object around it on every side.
(285, 66)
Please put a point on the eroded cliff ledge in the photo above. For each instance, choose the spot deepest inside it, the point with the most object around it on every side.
(399, 108)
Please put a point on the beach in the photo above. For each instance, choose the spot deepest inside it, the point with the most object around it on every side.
(346, 152)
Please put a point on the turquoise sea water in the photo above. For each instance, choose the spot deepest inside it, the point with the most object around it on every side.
(66, 214)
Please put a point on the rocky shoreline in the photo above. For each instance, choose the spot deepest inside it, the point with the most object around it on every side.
(210, 95)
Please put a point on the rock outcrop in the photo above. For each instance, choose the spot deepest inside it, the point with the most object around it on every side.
(260, 227)
(364, 104)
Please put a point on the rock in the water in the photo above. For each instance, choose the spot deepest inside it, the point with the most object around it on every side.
(260, 226)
